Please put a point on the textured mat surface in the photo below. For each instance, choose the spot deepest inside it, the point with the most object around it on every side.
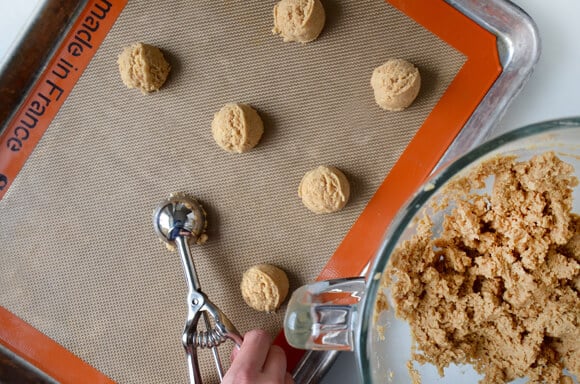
(79, 258)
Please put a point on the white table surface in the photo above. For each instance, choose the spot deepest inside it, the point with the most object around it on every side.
(14, 16)
(552, 92)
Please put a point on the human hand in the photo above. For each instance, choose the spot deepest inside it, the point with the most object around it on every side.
(258, 362)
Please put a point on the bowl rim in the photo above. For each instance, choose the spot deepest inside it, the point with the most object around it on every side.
(413, 205)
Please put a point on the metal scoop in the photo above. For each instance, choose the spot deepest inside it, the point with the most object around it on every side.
(181, 221)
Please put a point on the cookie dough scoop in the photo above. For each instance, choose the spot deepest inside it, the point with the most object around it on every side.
(180, 221)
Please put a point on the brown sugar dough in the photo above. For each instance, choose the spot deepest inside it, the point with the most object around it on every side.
(264, 287)
(143, 66)
(324, 190)
(396, 84)
(299, 20)
(237, 128)
(498, 288)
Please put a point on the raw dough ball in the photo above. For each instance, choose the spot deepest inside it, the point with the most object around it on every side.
(298, 20)
(264, 287)
(237, 128)
(143, 66)
(396, 84)
(324, 190)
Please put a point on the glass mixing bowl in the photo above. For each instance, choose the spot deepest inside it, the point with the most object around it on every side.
(340, 314)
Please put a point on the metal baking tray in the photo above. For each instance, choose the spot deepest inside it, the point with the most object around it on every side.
(518, 48)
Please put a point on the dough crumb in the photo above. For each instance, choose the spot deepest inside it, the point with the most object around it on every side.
(396, 84)
(415, 376)
(498, 288)
(381, 305)
(143, 66)
(264, 287)
(202, 239)
(299, 20)
(381, 332)
(324, 190)
(237, 127)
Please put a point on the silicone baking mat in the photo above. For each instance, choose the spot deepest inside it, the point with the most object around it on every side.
(80, 261)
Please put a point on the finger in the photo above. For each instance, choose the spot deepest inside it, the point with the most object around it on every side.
(254, 350)
(235, 352)
(275, 364)
(288, 378)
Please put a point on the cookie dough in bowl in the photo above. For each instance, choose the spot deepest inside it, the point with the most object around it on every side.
(495, 285)
(237, 128)
(324, 190)
(143, 66)
(264, 287)
(396, 84)
(299, 20)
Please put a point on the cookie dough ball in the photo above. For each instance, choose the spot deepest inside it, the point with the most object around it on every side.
(237, 128)
(143, 66)
(299, 20)
(396, 84)
(264, 287)
(324, 190)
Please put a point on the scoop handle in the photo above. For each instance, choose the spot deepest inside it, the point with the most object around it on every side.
(323, 315)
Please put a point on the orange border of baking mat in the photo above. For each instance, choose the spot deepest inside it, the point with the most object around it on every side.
(360, 244)
(17, 142)
(429, 144)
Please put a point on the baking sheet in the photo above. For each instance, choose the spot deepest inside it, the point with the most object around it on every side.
(80, 260)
